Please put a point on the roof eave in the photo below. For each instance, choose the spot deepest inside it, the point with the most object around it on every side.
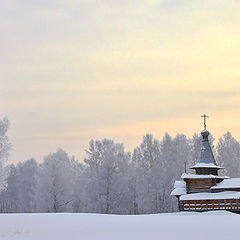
(215, 167)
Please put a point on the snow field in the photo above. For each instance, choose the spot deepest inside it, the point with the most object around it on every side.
(218, 225)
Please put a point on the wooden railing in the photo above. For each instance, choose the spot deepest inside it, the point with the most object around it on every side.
(207, 205)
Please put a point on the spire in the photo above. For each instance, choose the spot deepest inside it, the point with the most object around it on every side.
(206, 154)
(206, 163)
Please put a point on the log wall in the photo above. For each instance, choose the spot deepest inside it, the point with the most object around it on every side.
(201, 185)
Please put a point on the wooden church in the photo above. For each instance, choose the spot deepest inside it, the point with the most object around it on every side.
(206, 190)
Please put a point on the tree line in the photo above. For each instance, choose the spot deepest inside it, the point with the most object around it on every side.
(109, 179)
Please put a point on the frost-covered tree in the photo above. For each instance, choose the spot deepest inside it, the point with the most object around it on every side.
(146, 161)
(5, 147)
(169, 170)
(18, 195)
(54, 191)
(109, 180)
(156, 165)
(106, 170)
(8, 196)
(133, 193)
(175, 153)
(79, 182)
(228, 155)
(183, 152)
(26, 175)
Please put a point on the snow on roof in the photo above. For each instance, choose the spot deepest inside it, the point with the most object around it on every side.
(179, 188)
(197, 176)
(206, 165)
(178, 191)
(206, 195)
(180, 184)
(228, 183)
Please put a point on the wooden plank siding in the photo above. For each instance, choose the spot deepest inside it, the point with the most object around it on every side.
(209, 205)
(201, 185)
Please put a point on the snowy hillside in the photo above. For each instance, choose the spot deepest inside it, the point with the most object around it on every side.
(63, 226)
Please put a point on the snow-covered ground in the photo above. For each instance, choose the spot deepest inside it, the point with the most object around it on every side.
(63, 226)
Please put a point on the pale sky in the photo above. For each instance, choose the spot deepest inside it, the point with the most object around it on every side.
(72, 70)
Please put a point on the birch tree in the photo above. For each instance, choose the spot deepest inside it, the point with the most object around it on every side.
(54, 191)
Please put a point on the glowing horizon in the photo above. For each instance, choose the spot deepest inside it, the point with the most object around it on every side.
(76, 70)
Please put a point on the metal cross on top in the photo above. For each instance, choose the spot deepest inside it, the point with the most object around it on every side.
(205, 122)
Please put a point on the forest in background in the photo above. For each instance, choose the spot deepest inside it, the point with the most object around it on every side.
(109, 180)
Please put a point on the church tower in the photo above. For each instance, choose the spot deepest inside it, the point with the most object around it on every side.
(205, 190)
(206, 169)
(206, 163)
